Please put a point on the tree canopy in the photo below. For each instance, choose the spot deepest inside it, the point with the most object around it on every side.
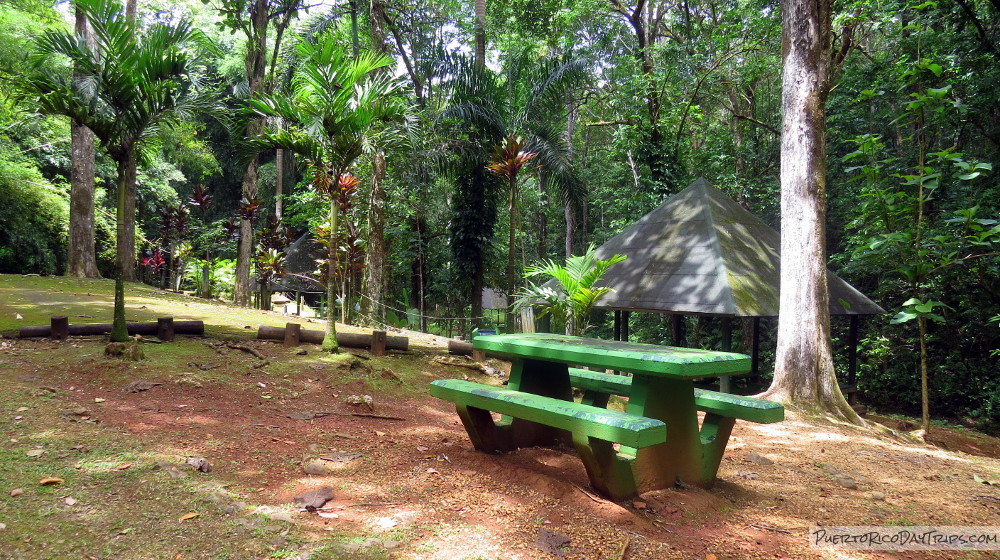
(624, 104)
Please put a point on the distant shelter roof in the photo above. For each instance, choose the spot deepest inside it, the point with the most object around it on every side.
(701, 252)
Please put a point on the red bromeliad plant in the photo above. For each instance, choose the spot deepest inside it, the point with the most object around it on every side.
(507, 161)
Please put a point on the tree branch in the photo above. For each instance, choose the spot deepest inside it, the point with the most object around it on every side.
(763, 125)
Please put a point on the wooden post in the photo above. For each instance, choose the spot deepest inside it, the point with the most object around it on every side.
(618, 325)
(852, 356)
(725, 382)
(165, 329)
(60, 327)
(677, 328)
(479, 355)
(293, 332)
(755, 352)
(298, 303)
(378, 343)
(625, 317)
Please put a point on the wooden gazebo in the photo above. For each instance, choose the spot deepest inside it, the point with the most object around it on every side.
(702, 253)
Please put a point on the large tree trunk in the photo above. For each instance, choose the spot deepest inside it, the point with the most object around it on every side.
(803, 371)
(374, 281)
(480, 31)
(375, 259)
(82, 251)
(125, 255)
(244, 249)
(119, 329)
(255, 64)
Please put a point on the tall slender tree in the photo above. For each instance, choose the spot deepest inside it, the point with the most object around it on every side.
(335, 102)
(127, 86)
(526, 100)
(263, 23)
(803, 369)
(82, 248)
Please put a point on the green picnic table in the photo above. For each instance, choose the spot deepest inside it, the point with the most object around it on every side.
(656, 443)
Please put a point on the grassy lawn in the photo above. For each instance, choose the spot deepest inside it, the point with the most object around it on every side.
(35, 299)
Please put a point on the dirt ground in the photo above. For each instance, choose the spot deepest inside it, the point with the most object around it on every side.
(408, 485)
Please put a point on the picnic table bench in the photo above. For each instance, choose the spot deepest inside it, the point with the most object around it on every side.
(655, 443)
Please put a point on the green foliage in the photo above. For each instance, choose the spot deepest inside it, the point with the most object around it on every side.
(571, 290)
(34, 219)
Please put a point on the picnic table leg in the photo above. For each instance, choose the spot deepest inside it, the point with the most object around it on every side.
(540, 378)
(678, 460)
(484, 433)
(715, 431)
(609, 473)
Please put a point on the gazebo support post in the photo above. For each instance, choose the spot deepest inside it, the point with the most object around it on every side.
(852, 354)
(618, 325)
(625, 318)
(755, 350)
(725, 382)
(677, 329)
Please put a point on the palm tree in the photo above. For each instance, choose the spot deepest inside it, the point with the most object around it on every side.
(335, 101)
(524, 100)
(127, 85)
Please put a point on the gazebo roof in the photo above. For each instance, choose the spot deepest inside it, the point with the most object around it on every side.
(701, 252)
(300, 265)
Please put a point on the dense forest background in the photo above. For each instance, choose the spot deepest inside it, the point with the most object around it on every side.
(623, 103)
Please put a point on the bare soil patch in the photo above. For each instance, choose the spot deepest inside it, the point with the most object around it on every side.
(408, 485)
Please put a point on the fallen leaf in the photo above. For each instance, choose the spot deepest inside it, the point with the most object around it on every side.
(50, 480)
(421, 449)
(327, 515)
(432, 471)
(16, 492)
(2, 526)
(23, 409)
(34, 452)
(711, 556)
(99, 400)
(187, 516)
(379, 434)
(70, 501)
(639, 505)
(126, 466)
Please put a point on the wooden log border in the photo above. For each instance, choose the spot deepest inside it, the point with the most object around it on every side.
(145, 329)
(349, 340)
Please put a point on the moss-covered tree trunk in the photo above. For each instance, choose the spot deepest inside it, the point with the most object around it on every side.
(82, 250)
(803, 370)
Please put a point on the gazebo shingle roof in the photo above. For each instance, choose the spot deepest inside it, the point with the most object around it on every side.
(700, 252)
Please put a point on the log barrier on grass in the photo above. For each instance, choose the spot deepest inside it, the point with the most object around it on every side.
(164, 328)
(292, 334)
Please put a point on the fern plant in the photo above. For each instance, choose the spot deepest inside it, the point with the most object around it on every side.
(569, 291)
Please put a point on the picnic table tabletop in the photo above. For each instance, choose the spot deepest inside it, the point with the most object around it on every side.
(660, 361)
